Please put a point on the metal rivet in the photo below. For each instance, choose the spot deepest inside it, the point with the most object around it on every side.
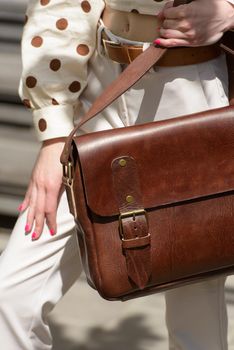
(122, 162)
(129, 199)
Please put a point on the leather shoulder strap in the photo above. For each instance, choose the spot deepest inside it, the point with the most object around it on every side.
(126, 79)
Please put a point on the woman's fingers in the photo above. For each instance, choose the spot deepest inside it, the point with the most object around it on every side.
(175, 30)
(160, 15)
(24, 205)
(178, 12)
(39, 213)
(173, 38)
(44, 190)
(53, 195)
(198, 23)
(172, 42)
(183, 26)
(31, 209)
(173, 33)
(42, 208)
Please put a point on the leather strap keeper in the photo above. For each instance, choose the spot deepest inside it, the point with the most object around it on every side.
(179, 56)
(133, 223)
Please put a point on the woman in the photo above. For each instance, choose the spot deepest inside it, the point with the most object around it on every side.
(59, 40)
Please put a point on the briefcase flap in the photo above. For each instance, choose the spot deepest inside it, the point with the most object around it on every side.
(177, 160)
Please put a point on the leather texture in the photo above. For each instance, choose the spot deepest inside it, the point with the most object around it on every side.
(154, 203)
(186, 144)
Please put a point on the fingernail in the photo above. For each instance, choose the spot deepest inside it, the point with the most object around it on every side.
(20, 207)
(27, 228)
(52, 232)
(34, 236)
(157, 42)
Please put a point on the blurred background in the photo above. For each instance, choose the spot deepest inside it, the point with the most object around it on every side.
(82, 320)
(17, 140)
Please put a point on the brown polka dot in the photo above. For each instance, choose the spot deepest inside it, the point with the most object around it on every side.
(44, 2)
(86, 7)
(31, 82)
(42, 125)
(55, 64)
(25, 19)
(54, 102)
(82, 49)
(62, 23)
(134, 11)
(74, 86)
(27, 103)
(37, 41)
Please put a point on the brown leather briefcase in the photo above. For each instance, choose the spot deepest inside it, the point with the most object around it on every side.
(153, 203)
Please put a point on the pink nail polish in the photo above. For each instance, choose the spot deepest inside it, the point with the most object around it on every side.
(27, 228)
(52, 232)
(34, 236)
(20, 207)
(157, 42)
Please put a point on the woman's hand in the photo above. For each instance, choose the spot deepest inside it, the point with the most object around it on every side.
(202, 22)
(45, 189)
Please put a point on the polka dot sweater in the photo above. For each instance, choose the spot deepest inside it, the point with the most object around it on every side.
(59, 38)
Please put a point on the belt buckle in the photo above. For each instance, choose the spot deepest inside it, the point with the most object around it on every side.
(128, 214)
(138, 241)
(120, 46)
(111, 43)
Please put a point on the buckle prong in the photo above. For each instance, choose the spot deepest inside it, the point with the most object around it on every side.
(132, 213)
(128, 214)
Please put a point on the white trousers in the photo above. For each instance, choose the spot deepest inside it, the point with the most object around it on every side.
(35, 275)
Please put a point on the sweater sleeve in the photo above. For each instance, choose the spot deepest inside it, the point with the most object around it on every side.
(59, 38)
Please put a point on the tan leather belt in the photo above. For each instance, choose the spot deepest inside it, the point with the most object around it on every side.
(180, 56)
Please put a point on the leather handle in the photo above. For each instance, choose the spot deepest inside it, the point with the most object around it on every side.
(134, 72)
